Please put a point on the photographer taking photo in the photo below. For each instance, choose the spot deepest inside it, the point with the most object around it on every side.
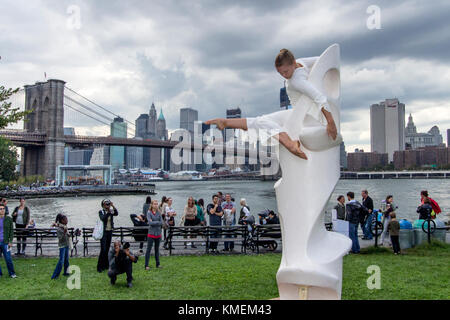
(106, 215)
(120, 261)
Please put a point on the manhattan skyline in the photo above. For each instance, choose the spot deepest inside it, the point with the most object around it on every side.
(212, 56)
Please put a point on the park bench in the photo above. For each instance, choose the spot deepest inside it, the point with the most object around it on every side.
(46, 237)
(267, 233)
(124, 234)
(237, 233)
(182, 235)
(207, 234)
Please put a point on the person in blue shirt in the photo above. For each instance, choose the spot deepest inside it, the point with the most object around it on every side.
(215, 213)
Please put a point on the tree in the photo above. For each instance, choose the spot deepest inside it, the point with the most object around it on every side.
(8, 160)
(8, 115)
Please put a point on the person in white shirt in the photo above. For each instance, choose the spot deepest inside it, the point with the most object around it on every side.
(296, 74)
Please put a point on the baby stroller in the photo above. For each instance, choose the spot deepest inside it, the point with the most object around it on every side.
(249, 240)
(139, 234)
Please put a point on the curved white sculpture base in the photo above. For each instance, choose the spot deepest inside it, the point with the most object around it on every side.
(311, 264)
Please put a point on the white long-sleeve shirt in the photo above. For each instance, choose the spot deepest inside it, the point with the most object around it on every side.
(299, 84)
(296, 86)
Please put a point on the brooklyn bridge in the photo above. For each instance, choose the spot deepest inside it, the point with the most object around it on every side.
(42, 139)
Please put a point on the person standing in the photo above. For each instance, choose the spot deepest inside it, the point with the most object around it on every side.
(221, 197)
(394, 232)
(5, 202)
(340, 208)
(367, 202)
(354, 210)
(163, 205)
(190, 217)
(229, 218)
(146, 206)
(21, 216)
(63, 245)
(390, 207)
(155, 223)
(106, 215)
(434, 205)
(200, 204)
(169, 221)
(120, 261)
(215, 213)
(6, 238)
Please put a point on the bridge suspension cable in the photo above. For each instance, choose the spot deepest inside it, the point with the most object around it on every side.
(75, 105)
(99, 106)
(66, 105)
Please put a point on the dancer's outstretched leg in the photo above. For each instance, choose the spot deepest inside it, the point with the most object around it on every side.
(292, 145)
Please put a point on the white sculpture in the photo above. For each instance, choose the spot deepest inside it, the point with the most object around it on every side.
(311, 264)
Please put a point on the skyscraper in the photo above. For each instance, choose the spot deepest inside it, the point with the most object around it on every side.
(117, 153)
(149, 126)
(162, 134)
(142, 132)
(188, 116)
(284, 99)
(448, 137)
(387, 127)
(231, 114)
(343, 155)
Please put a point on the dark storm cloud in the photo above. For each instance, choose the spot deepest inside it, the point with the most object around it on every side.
(179, 49)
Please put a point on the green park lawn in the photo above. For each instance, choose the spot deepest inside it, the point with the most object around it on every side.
(419, 273)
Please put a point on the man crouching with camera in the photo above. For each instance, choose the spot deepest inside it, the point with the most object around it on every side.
(120, 261)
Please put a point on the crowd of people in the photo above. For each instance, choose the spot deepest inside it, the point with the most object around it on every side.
(156, 217)
(362, 214)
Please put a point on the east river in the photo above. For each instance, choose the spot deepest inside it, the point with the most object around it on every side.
(83, 211)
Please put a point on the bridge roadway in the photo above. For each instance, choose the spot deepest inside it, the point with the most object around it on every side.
(22, 138)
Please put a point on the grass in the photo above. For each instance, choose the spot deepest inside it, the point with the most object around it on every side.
(419, 273)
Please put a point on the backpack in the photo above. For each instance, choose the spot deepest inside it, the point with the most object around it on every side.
(97, 234)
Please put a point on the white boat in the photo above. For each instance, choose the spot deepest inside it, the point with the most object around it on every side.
(185, 175)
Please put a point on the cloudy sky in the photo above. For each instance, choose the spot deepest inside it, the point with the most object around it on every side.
(214, 55)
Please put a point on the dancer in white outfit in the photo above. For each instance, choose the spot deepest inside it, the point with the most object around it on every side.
(296, 73)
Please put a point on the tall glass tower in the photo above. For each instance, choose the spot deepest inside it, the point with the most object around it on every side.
(117, 153)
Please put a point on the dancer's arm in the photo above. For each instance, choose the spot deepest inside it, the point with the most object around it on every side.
(229, 123)
(304, 86)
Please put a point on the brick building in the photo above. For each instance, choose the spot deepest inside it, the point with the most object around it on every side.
(426, 156)
(357, 161)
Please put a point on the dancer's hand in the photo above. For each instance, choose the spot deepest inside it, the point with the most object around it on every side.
(331, 130)
(219, 122)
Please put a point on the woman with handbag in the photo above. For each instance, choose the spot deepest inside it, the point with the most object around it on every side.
(21, 217)
(106, 215)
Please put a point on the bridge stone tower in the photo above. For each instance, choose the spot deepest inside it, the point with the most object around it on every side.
(46, 99)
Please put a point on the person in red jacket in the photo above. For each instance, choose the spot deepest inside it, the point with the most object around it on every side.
(434, 204)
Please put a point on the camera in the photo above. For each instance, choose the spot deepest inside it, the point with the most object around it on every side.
(126, 245)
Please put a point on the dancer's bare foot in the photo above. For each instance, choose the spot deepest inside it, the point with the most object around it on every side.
(219, 122)
(294, 148)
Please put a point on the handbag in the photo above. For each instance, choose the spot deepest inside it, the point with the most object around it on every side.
(98, 230)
